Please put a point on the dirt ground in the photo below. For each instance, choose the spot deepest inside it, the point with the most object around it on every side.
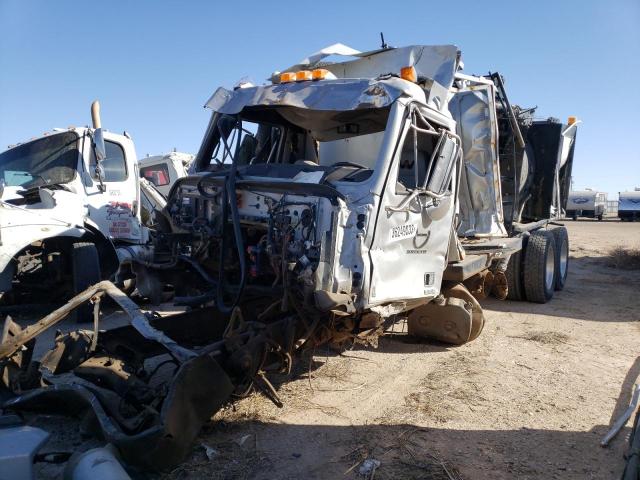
(530, 398)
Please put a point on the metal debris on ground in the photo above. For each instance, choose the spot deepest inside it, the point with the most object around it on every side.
(369, 467)
(210, 452)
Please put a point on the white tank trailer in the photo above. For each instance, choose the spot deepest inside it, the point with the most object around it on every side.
(629, 205)
(586, 203)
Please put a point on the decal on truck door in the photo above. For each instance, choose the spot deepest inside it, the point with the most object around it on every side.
(401, 232)
(120, 219)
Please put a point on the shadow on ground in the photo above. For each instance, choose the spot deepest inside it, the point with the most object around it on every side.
(587, 295)
(257, 450)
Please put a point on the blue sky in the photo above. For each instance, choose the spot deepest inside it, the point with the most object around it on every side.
(153, 64)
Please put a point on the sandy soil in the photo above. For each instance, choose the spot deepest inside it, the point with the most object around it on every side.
(530, 398)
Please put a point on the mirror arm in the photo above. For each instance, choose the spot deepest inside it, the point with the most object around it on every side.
(101, 185)
(97, 170)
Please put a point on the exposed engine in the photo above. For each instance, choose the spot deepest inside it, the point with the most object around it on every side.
(280, 238)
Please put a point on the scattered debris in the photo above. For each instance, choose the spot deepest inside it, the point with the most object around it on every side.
(19, 444)
(97, 463)
(624, 418)
(210, 452)
(368, 467)
(243, 440)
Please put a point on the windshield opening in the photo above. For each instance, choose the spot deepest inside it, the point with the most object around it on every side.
(309, 139)
(48, 160)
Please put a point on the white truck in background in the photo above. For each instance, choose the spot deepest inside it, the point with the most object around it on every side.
(71, 213)
(629, 205)
(163, 170)
(586, 203)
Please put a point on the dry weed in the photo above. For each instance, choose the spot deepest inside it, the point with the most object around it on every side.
(624, 258)
(401, 455)
(548, 338)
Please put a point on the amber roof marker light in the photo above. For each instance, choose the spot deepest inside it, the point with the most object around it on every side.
(287, 77)
(409, 74)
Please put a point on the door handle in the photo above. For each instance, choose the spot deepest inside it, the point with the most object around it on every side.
(436, 211)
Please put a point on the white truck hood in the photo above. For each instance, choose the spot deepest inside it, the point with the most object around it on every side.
(58, 213)
(52, 206)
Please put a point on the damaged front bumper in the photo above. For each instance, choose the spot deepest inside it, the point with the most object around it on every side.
(147, 387)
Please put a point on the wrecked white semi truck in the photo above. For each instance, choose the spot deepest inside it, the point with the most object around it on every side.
(323, 207)
(389, 184)
(68, 221)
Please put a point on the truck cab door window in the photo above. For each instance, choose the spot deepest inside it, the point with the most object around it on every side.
(156, 174)
(426, 161)
(414, 160)
(114, 166)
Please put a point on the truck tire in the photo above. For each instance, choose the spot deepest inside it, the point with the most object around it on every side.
(561, 238)
(85, 268)
(539, 266)
(514, 277)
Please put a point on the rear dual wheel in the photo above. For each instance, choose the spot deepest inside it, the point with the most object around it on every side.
(540, 266)
(515, 287)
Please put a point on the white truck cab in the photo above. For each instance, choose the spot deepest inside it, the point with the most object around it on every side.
(163, 170)
(62, 214)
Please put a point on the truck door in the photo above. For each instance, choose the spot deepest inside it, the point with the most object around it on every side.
(414, 224)
(114, 204)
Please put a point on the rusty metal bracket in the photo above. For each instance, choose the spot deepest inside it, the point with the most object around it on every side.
(137, 319)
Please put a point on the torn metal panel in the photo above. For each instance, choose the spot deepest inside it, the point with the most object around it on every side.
(335, 49)
(329, 95)
(480, 194)
(437, 63)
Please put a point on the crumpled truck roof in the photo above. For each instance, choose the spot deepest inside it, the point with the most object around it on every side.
(328, 95)
(361, 83)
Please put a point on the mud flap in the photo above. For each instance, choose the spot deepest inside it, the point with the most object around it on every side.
(457, 318)
(197, 391)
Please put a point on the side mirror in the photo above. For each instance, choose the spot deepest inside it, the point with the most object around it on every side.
(98, 145)
(98, 142)
(443, 168)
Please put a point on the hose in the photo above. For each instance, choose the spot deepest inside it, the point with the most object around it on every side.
(230, 203)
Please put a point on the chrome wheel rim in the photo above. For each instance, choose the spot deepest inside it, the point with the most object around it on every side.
(550, 269)
(564, 259)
